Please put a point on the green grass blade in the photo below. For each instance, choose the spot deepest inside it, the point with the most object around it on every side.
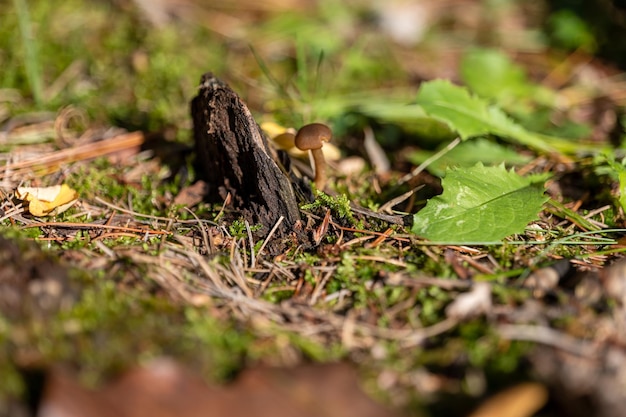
(31, 51)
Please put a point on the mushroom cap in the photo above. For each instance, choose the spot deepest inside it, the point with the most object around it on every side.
(312, 136)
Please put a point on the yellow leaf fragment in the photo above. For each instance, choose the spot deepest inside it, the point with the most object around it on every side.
(282, 137)
(47, 201)
(273, 129)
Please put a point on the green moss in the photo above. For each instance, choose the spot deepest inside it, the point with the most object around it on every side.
(276, 296)
(239, 230)
(108, 330)
(339, 206)
(218, 348)
(432, 301)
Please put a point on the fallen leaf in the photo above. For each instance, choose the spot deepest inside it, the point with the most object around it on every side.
(192, 194)
(166, 389)
(47, 201)
(522, 400)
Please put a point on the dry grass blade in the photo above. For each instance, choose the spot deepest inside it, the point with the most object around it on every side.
(205, 238)
(13, 211)
(408, 177)
(89, 226)
(376, 153)
(389, 205)
(51, 162)
(229, 284)
(270, 235)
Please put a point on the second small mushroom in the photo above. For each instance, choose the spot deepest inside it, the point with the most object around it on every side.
(312, 137)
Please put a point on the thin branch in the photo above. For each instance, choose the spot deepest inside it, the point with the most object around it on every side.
(549, 337)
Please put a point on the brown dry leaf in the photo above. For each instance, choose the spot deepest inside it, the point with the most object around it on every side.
(192, 195)
(165, 389)
(522, 400)
(47, 201)
(306, 391)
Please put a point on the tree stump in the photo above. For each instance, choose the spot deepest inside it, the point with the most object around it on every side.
(234, 158)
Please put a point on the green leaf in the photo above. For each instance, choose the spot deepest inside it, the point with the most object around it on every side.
(570, 31)
(480, 205)
(615, 169)
(622, 189)
(472, 116)
(411, 117)
(467, 154)
(490, 73)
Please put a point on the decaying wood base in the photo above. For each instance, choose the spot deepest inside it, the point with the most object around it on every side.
(235, 159)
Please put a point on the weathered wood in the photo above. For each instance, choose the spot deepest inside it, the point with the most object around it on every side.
(235, 158)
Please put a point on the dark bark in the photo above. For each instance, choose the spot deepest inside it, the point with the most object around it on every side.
(234, 157)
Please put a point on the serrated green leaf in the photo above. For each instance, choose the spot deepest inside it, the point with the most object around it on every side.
(472, 116)
(480, 204)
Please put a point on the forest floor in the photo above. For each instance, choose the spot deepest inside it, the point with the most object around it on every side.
(463, 260)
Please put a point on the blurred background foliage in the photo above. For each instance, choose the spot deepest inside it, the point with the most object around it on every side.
(136, 64)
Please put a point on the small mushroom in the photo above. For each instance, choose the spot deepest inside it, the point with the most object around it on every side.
(312, 137)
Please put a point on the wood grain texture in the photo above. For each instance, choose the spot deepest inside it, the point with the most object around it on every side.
(234, 158)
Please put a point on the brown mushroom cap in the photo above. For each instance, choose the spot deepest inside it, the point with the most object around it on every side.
(312, 136)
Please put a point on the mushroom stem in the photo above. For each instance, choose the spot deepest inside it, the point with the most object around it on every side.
(320, 168)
